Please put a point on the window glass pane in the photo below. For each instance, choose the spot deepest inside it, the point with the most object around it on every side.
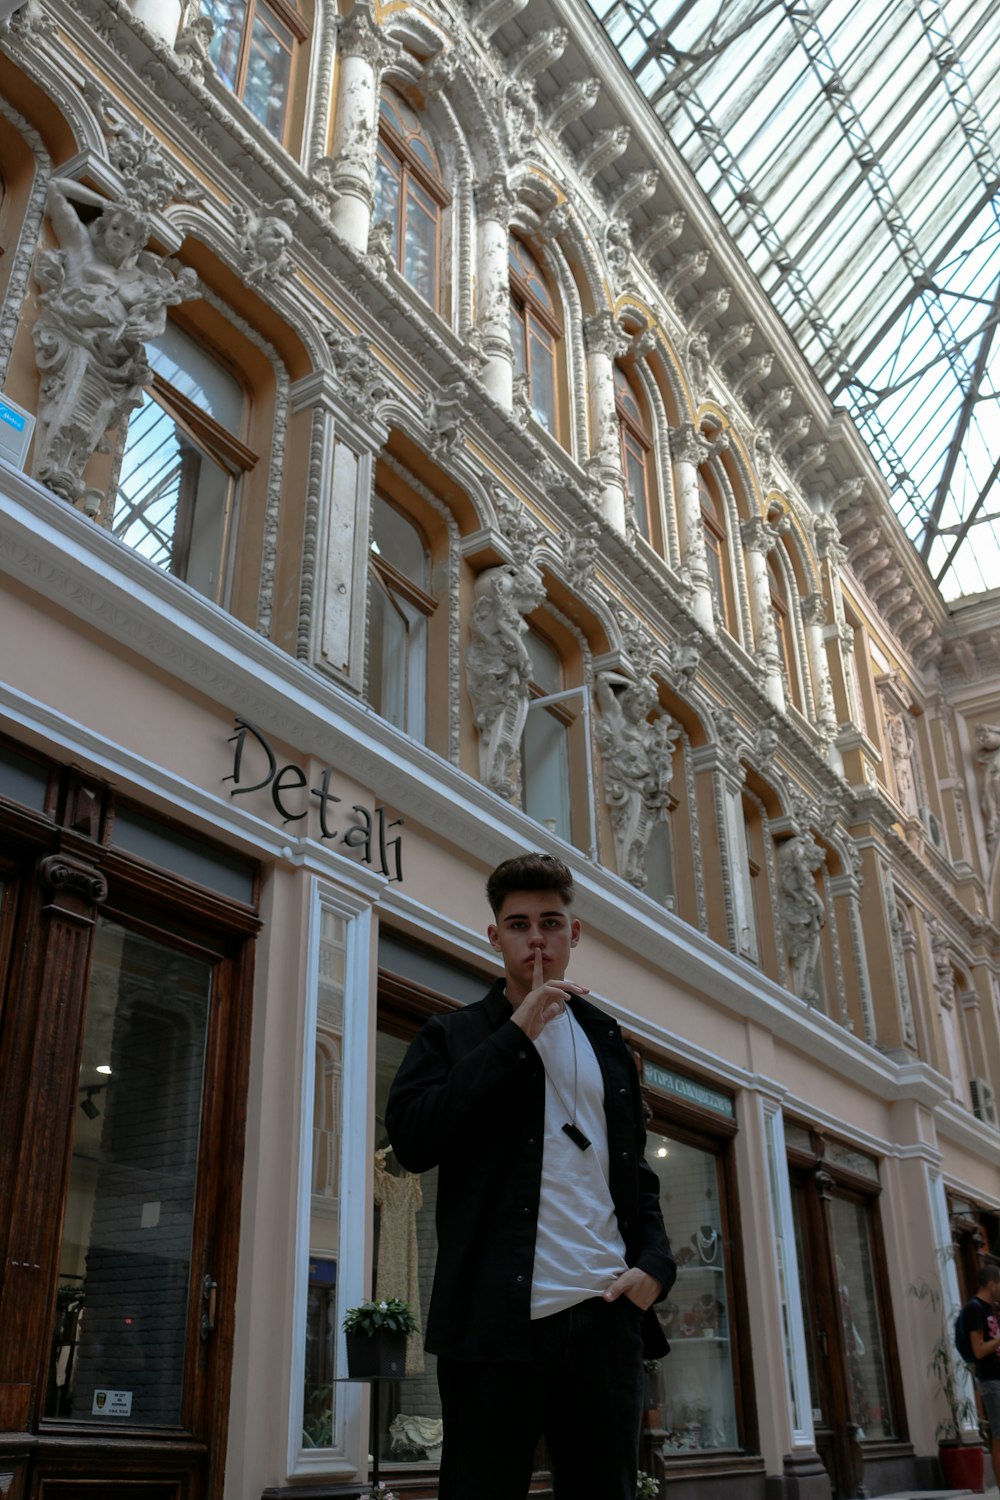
(545, 771)
(228, 17)
(543, 379)
(697, 1400)
(660, 865)
(407, 124)
(524, 265)
(125, 1263)
(410, 1425)
(545, 669)
(518, 337)
(319, 1395)
(635, 482)
(389, 642)
(387, 178)
(172, 499)
(189, 368)
(867, 1383)
(269, 67)
(420, 248)
(819, 1414)
(398, 541)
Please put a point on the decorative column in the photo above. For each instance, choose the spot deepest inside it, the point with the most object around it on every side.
(688, 449)
(813, 608)
(494, 201)
(605, 342)
(363, 53)
(759, 536)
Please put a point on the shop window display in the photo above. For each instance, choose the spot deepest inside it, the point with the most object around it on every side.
(696, 1388)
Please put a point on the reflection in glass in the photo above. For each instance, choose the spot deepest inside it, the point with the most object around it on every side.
(856, 1290)
(697, 1399)
(319, 1396)
(125, 1263)
(544, 748)
(410, 1427)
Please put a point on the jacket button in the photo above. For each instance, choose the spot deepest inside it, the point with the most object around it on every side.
(624, 1223)
(625, 1156)
(522, 1055)
(623, 1091)
(518, 1278)
(525, 1209)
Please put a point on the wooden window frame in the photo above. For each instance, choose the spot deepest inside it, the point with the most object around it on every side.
(410, 166)
(537, 319)
(632, 432)
(288, 16)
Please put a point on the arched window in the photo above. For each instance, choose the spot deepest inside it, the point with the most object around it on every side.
(400, 609)
(410, 195)
(637, 449)
(178, 487)
(535, 331)
(783, 629)
(253, 49)
(713, 517)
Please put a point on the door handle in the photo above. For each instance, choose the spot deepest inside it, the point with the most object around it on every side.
(209, 1295)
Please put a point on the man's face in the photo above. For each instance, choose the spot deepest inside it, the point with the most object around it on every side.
(530, 921)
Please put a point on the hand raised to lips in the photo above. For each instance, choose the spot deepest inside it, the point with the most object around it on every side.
(544, 1001)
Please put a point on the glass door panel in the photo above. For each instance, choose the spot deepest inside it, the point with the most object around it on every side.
(868, 1386)
(119, 1345)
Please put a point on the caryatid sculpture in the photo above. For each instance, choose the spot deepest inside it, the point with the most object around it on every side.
(637, 752)
(802, 911)
(103, 296)
(499, 670)
(988, 740)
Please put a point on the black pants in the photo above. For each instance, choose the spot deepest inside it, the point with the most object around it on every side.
(581, 1391)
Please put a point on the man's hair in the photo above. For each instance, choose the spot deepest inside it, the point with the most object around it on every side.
(529, 872)
(988, 1273)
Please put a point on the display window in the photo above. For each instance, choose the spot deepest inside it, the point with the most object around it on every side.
(701, 1410)
(414, 983)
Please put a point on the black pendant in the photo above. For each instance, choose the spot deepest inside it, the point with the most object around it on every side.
(576, 1135)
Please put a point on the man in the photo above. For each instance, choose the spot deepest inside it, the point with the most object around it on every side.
(980, 1319)
(551, 1245)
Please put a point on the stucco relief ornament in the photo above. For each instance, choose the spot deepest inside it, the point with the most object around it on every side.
(901, 747)
(192, 47)
(29, 23)
(729, 736)
(685, 657)
(801, 910)
(988, 740)
(103, 296)
(381, 243)
(516, 524)
(519, 109)
(617, 239)
(323, 189)
(499, 671)
(522, 410)
(358, 371)
(580, 553)
(637, 754)
(766, 740)
(446, 411)
(148, 180)
(262, 240)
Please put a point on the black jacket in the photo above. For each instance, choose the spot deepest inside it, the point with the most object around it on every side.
(469, 1098)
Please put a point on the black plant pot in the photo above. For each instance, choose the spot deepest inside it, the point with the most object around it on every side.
(382, 1353)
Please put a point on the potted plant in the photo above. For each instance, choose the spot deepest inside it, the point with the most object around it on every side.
(376, 1338)
(651, 1392)
(961, 1459)
(647, 1488)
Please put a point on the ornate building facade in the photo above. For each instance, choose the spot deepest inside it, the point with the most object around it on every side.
(399, 469)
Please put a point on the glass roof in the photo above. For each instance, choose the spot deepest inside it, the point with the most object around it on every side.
(851, 149)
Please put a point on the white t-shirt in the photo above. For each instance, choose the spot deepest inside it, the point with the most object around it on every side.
(578, 1246)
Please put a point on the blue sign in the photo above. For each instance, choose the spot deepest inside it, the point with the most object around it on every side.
(13, 418)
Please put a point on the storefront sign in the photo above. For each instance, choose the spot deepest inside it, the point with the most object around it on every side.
(684, 1088)
(112, 1404)
(366, 830)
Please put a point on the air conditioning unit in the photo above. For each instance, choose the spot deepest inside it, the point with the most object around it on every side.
(933, 827)
(984, 1104)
